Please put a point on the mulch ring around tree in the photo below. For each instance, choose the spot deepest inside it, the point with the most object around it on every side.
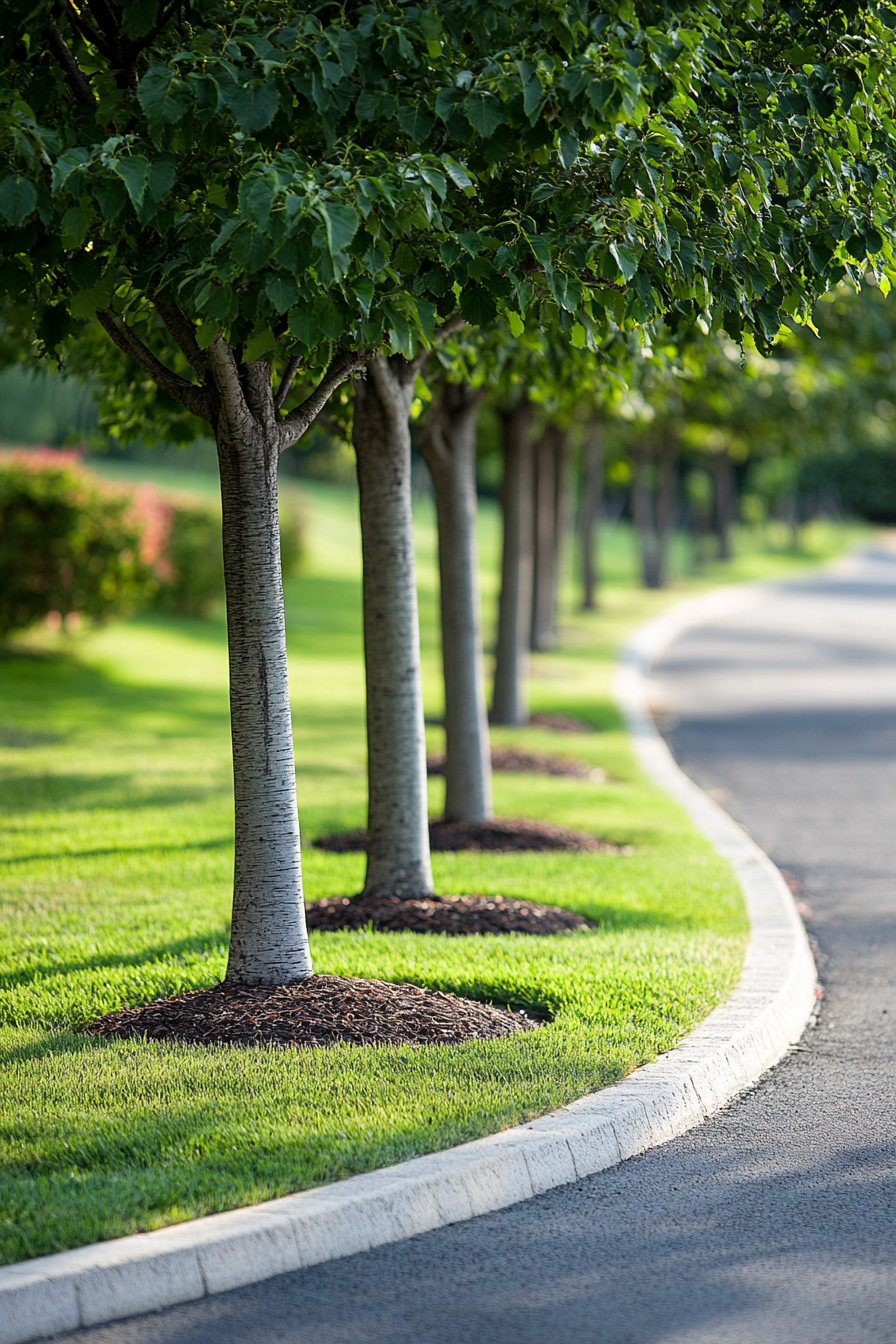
(320, 1011)
(514, 760)
(560, 723)
(456, 915)
(502, 835)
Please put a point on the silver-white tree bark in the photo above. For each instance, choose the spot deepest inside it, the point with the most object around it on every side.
(509, 699)
(268, 940)
(590, 502)
(447, 441)
(398, 862)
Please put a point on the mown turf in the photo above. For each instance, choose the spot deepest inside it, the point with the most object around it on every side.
(116, 864)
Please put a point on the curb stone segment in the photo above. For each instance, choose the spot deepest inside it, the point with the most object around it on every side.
(721, 1057)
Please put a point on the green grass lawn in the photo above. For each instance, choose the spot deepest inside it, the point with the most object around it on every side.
(116, 853)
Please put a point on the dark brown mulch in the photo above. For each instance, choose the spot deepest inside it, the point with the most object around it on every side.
(513, 760)
(503, 835)
(322, 1010)
(561, 723)
(457, 915)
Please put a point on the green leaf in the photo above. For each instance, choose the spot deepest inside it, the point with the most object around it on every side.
(111, 197)
(206, 333)
(254, 104)
(134, 173)
(161, 177)
(83, 271)
(73, 229)
(228, 228)
(18, 197)
(282, 291)
(66, 164)
(256, 196)
(626, 260)
(533, 93)
(260, 342)
(447, 102)
(569, 148)
(517, 325)
(457, 172)
(578, 336)
(367, 106)
(399, 331)
(138, 17)
(363, 292)
(341, 223)
(471, 242)
(484, 113)
(162, 95)
(478, 306)
(415, 122)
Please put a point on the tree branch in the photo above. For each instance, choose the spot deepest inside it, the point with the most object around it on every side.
(289, 373)
(184, 333)
(298, 421)
(89, 33)
(448, 328)
(194, 398)
(226, 374)
(77, 79)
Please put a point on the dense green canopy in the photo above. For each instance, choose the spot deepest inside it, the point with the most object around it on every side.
(298, 176)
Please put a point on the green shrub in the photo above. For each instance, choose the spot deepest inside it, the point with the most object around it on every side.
(70, 547)
(189, 563)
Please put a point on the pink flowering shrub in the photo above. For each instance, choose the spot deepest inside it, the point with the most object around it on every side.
(73, 547)
(70, 547)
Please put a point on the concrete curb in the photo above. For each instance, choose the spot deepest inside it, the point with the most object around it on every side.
(728, 1052)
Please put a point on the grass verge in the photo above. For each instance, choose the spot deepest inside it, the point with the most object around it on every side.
(116, 863)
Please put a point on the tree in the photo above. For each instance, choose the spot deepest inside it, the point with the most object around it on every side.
(257, 201)
(446, 436)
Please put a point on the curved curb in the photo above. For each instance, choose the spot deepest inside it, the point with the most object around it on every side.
(728, 1052)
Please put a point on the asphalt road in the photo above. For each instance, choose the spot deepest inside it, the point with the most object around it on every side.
(775, 1221)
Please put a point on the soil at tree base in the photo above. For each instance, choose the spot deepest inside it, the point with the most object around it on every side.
(560, 723)
(501, 835)
(514, 760)
(321, 1011)
(458, 915)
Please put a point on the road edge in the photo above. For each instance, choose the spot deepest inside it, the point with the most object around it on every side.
(723, 1056)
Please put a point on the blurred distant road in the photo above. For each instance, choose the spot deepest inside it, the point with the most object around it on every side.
(774, 1222)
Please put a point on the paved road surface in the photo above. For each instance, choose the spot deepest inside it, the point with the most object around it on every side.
(774, 1222)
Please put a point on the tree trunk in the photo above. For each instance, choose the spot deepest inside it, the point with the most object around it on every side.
(509, 702)
(547, 494)
(447, 441)
(398, 861)
(653, 508)
(642, 516)
(667, 459)
(590, 507)
(723, 490)
(268, 940)
(561, 519)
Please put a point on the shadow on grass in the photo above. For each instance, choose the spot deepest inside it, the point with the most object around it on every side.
(89, 792)
(195, 945)
(38, 688)
(161, 848)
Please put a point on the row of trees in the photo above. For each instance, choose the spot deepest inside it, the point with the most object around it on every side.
(264, 205)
